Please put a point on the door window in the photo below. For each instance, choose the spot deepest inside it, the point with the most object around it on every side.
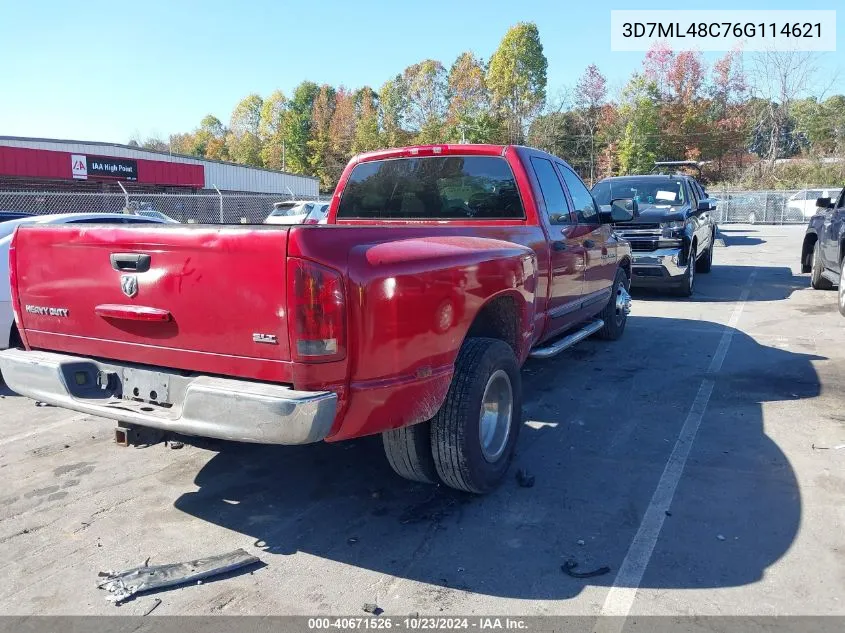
(557, 208)
(582, 199)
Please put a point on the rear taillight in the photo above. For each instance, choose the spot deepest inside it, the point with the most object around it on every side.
(311, 221)
(316, 312)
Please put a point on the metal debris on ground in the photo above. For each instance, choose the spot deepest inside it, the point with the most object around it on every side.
(177, 445)
(154, 607)
(373, 608)
(38, 403)
(524, 478)
(720, 537)
(125, 584)
(352, 540)
(580, 541)
(569, 566)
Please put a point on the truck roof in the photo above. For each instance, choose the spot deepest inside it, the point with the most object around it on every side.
(446, 149)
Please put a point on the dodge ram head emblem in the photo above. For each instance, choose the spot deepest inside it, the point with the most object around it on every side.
(129, 285)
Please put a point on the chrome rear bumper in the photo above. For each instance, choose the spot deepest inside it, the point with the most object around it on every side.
(205, 406)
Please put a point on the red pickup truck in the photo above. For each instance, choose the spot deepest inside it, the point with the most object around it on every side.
(440, 271)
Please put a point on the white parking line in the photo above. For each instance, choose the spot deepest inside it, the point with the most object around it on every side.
(621, 596)
(41, 429)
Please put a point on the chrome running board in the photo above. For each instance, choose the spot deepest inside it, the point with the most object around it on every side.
(567, 341)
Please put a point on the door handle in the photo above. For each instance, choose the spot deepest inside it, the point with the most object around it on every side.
(589, 243)
(134, 262)
(558, 245)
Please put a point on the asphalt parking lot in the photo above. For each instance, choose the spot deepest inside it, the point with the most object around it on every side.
(695, 457)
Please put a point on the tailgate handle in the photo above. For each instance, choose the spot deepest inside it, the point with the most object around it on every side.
(131, 312)
(135, 262)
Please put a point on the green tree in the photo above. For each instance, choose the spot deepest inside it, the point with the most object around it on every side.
(271, 130)
(242, 141)
(297, 127)
(516, 78)
(425, 90)
(392, 101)
(367, 136)
(469, 117)
(640, 116)
(319, 145)
(341, 133)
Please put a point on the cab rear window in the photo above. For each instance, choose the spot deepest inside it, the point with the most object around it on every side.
(432, 188)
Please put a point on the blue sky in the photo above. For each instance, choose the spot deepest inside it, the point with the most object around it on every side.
(108, 70)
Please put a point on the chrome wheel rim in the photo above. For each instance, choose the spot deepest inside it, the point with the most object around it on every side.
(494, 427)
(623, 304)
(842, 293)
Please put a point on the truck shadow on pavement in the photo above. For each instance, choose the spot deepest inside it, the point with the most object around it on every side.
(600, 423)
(773, 283)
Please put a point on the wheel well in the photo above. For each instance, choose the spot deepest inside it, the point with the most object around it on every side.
(625, 265)
(499, 319)
(807, 252)
(15, 337)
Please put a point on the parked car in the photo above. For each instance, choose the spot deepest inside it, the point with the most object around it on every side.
(298, 212)
(13, 215)
(801, 206)
(673, 233)
(823, 251)
(8, 331)
(447, 267)
(156, 215)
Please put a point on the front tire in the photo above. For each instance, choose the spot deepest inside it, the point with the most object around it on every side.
(615, 313)
(842, 287)
(688, 280)
(705, 263)
(817, 281)
(474, 433)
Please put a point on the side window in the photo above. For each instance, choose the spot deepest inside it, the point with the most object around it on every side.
(96, 221)
(695, 196)
(556, 205)
(585, 206)
(841, 203)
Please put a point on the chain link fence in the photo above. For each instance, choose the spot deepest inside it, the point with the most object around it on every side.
(769, 207)
(224, 208)
(765, 207)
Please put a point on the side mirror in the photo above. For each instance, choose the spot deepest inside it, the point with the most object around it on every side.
(621, 210)
(824, 203)
(706, 205)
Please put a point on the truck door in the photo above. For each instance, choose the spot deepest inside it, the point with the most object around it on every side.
(567, 252)
(597, 239)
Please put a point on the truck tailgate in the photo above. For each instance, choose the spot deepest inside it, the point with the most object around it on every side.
(196, 298)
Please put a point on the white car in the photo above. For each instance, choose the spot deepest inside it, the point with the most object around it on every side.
(802, 205)
(8, 331)
(298, 212)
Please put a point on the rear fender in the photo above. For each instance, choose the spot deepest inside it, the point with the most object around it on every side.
(412, 303)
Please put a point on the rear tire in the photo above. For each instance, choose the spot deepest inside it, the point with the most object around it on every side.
(474, 433)
(816, 280)
(614, 315)
(408, 451)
